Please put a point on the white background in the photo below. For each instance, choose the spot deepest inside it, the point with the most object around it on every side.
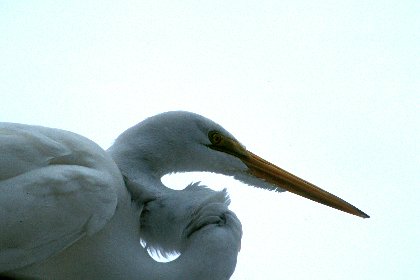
(328, 90)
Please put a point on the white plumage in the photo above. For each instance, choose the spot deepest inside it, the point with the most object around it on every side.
(56, 187)
(66, 211)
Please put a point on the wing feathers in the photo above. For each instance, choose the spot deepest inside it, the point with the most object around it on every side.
(55, 188)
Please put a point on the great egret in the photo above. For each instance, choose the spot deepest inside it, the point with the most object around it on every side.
(67, 213)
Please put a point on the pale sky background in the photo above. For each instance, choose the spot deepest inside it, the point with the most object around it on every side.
(328, 90)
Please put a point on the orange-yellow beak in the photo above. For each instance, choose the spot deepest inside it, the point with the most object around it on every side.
(278, 177)
(267, 171)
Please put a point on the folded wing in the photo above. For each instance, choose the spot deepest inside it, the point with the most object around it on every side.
(55, 188)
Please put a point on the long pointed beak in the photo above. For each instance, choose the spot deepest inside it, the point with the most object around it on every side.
(279, 177)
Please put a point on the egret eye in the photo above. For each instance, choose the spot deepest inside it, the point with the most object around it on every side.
(215, 137)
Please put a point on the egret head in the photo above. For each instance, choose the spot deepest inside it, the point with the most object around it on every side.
(182, 142)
